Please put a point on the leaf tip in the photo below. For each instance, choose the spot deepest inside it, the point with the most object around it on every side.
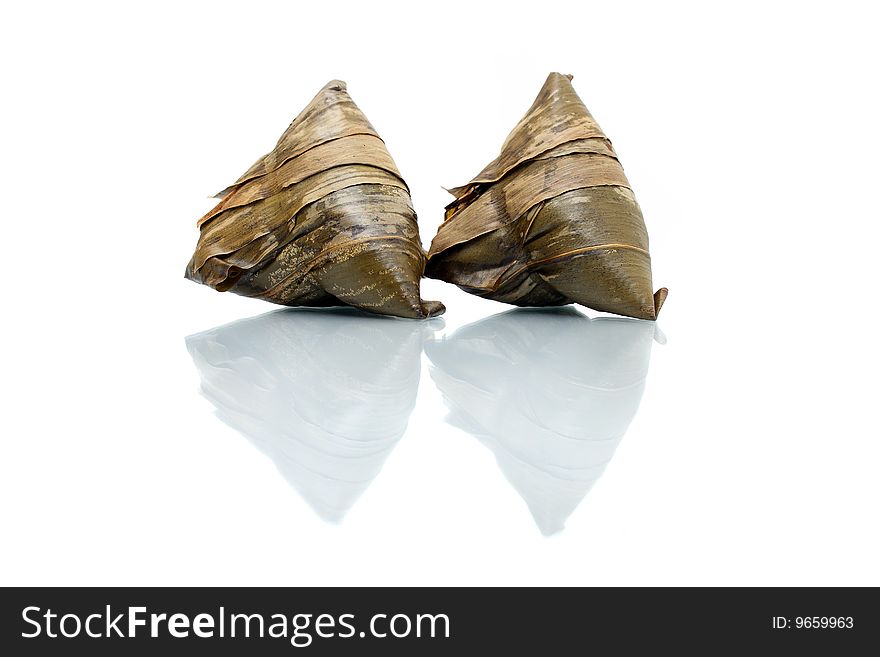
(659, 299)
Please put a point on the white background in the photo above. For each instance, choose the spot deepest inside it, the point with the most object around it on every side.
(750, 136)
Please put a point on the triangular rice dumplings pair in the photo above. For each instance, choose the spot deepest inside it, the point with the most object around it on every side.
(325, 219)
(552, 220)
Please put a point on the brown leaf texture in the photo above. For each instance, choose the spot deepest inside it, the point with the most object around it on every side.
(325, 219)
(552, 220)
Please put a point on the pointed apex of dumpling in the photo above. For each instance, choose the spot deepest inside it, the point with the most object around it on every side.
(331, 114)
(557, 116)
(557, 108)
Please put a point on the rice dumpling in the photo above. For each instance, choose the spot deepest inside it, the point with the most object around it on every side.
(552, 220)
(325, 219)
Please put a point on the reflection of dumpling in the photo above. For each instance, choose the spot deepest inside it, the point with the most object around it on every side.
(326, 395)
(550, 392)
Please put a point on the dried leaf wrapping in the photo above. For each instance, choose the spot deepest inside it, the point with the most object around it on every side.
(325, 219)
(552, 220)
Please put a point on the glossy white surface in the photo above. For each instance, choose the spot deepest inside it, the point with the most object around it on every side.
(151, 435)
